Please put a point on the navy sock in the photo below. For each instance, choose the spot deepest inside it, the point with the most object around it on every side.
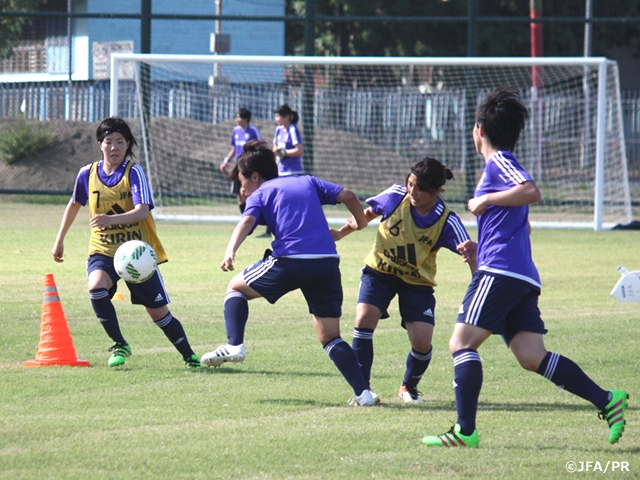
(568, 375)
(236, 314)
(417, 364)
(362, 345)
(173, 330)
(342, 355)
(106, 313)
(467, 382)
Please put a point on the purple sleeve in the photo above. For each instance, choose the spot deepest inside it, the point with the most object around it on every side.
(386, 202)
(140, 190)
(453, 234)
(81, 188)
(327, 191)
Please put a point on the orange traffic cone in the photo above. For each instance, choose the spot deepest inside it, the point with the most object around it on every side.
(56, 345)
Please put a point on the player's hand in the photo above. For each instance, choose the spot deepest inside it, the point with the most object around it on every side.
(468, 250)
(477, 205)
(101, 221)
(227, 263)
(58, 252)
(223, 165)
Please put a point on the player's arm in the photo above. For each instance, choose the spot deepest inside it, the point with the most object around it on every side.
(351, 225)
(243, 228)
(467, 250)
(352, 202)
(296, 151)
(227, 159)
(523, 194)
(139, 213)
(69, 215)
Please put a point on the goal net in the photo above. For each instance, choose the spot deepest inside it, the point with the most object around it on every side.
(365, 121)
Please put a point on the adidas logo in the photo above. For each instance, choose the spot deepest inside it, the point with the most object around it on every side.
(461, 310)
(159, 298)
(428, 312)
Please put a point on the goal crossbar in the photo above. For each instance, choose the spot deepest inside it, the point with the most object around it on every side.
(597, 64)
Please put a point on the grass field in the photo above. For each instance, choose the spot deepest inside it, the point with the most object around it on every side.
(283, 413)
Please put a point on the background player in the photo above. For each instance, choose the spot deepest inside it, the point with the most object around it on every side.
(503, 295)
(415, 224)
(119, 199)
(241, 134)
(287, 142)
(304, 257)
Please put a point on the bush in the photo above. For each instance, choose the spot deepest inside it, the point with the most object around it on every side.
(20, 138)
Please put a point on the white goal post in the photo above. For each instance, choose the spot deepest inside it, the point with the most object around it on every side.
(366, 120)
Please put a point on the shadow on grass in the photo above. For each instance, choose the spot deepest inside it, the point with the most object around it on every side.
(222, 370)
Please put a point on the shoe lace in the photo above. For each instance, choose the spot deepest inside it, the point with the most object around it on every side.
(193, 362)
(413, 391)
(118, 349)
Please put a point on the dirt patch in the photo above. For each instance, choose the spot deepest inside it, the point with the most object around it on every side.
(196, 149)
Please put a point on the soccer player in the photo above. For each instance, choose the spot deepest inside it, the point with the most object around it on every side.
(415, 224)
(304, 257)
(241, 134)
(503, 295)
(287, 142)
(120, 205)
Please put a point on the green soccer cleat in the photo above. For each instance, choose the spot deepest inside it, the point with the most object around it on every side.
(614, 414)
(453, 438)
(120, 353)
(193, 363)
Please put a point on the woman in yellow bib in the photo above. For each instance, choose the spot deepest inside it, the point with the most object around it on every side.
(120, 205)
(415, 224)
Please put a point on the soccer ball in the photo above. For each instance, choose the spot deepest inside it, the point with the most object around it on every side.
(135, 261)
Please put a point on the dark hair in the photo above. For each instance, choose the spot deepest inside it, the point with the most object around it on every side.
(244, 113)
(257, 157)
(431, 174)
(117, 125)
(284, 110)
(503, 116)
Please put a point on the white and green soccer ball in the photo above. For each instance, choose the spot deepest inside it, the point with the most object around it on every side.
(135, 261)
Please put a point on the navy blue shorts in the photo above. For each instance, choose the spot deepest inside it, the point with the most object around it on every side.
(151, 293)
(502, 305)
(318, 279)
(417, 302)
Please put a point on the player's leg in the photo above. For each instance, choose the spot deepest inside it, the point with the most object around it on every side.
(236, 314)
(483, 312)
(367, 318)
(341, 353)
(102, 287)
(417, 309)
(529, 349)
(153, 295)
(321, 284)
(418, 359)
(374, 296)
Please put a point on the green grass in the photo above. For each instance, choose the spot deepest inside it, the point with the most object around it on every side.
(283, 413)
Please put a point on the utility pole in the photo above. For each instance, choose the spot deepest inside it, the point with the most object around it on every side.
(308, 86)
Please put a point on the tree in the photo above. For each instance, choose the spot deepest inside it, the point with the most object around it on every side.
(448, 38)
(11, 27)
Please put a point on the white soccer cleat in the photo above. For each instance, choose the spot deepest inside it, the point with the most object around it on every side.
(365, 399)
(410, 395)
(223, 354)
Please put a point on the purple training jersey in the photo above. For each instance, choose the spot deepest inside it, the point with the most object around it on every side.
(288, 138)
(292, 209)
(140, 191)
(239, 137)
(453, 232)
(504, 246)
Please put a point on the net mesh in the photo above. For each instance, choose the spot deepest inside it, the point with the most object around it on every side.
(363, 126)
